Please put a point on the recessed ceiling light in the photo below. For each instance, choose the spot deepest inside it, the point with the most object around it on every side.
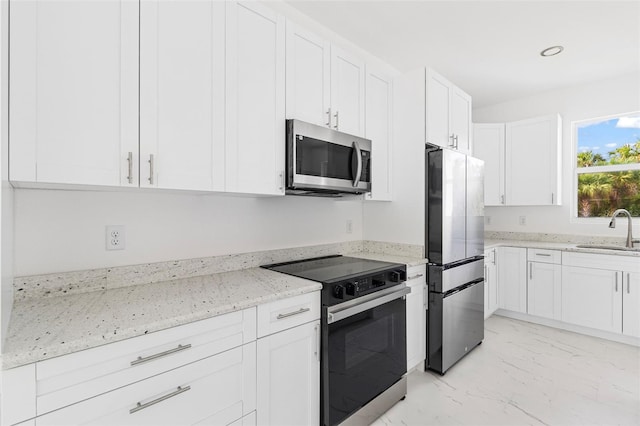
(552, 51)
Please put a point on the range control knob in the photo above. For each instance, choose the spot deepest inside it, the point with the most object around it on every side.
(351, 289)
(338, 291)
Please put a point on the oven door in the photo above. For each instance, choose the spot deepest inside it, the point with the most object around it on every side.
(321, 158)
(365, 351)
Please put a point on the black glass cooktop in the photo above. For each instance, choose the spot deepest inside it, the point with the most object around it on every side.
(330, 269)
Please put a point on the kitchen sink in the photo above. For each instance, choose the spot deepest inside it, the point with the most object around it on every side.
(607, 247)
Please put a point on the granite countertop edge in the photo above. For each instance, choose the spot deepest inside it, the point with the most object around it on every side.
(570, 247)
(44, 328)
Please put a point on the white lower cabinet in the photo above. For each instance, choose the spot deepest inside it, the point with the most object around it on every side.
(592, 298)
(289, 376)
(213, 391)
(490, 282)
(631, 304)
(544, 283)
(416, 316)
(512, 278)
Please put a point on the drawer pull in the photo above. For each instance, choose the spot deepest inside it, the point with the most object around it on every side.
(290, 314)
(141, 360)
(139, 406)
(543, 254)
(415, 277)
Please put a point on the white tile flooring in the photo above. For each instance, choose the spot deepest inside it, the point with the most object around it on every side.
(528, 374)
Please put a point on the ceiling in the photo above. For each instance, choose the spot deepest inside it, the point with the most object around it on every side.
(491, 48)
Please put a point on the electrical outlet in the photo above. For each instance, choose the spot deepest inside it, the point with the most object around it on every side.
(349, 226)
(522, 220)
(115, 237)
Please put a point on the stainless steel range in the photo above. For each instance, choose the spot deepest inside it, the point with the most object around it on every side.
(363, 359)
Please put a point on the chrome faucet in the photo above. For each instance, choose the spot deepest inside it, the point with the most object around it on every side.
(612, 224)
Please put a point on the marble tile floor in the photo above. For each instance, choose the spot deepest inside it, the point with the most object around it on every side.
(528, 374)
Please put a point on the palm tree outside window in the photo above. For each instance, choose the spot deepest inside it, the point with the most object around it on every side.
(608, 165)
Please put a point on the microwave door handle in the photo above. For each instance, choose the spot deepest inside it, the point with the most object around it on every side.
(356, 181)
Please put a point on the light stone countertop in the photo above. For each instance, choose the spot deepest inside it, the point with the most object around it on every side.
(43, 328)
(488, 244)
(407, 260)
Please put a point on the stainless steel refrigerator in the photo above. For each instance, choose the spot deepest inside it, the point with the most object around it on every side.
(454, 225)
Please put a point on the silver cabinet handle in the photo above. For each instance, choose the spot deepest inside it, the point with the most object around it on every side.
(530, 270)
(337, 117)
(616, 282)
(142, 360)
(329, 117)
(281, 176)
(151, 167)
(415, 277)
(452, 137)
(455, 140)
(502, 199)
(425, 297)
(543, 254)
(290, 314)
(130, 167)
(552, 198)
(356, 180)
(628, 282)
(139, 406)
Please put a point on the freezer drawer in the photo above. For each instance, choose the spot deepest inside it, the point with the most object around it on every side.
(455, 325)
(444, 278)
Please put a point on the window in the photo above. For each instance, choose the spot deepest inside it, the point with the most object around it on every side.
(608, 165)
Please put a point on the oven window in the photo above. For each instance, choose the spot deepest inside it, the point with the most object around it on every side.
(366, 355)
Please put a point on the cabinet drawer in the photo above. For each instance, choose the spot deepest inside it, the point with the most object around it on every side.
(216, 390)
(70, 378)
(544, 256)
(286, 313)
(418, 273)
(602, 261)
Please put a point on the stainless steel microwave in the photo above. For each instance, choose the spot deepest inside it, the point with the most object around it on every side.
(321, 161)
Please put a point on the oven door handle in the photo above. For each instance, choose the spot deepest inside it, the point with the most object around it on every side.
(333, 316)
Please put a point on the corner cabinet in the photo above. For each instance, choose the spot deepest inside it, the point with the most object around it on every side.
(512, 278)
(488, 145)
(74, 93)
(532, 161)
(448, 114)
(378, 128)
(255, 99)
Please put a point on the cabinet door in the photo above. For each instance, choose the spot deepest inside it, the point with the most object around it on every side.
(416, 322)
(512, 278)
(74, 92)
(216, 390)
(437, 110)
(592, 298)
(631, 304)
(460, 110)
(289, 376)
(182, 94)
(308, 76)
(378, 128)
(347, 92)
(544, 290)
(488, 145)
(255, 120)
(532, 161)
(491, 283)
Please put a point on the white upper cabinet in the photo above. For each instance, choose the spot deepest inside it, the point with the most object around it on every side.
(347, 92)
(182, 94)
(74, 92)
(532, 161)
(308, 76)
(325, 84)
(378, 128)
(255, 99)
(488, 145)
(448, 114)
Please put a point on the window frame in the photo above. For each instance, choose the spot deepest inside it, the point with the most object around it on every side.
(576, 171)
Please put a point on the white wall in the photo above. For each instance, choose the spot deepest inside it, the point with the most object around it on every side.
(602, 98)
(402, 220)
(65, 230)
